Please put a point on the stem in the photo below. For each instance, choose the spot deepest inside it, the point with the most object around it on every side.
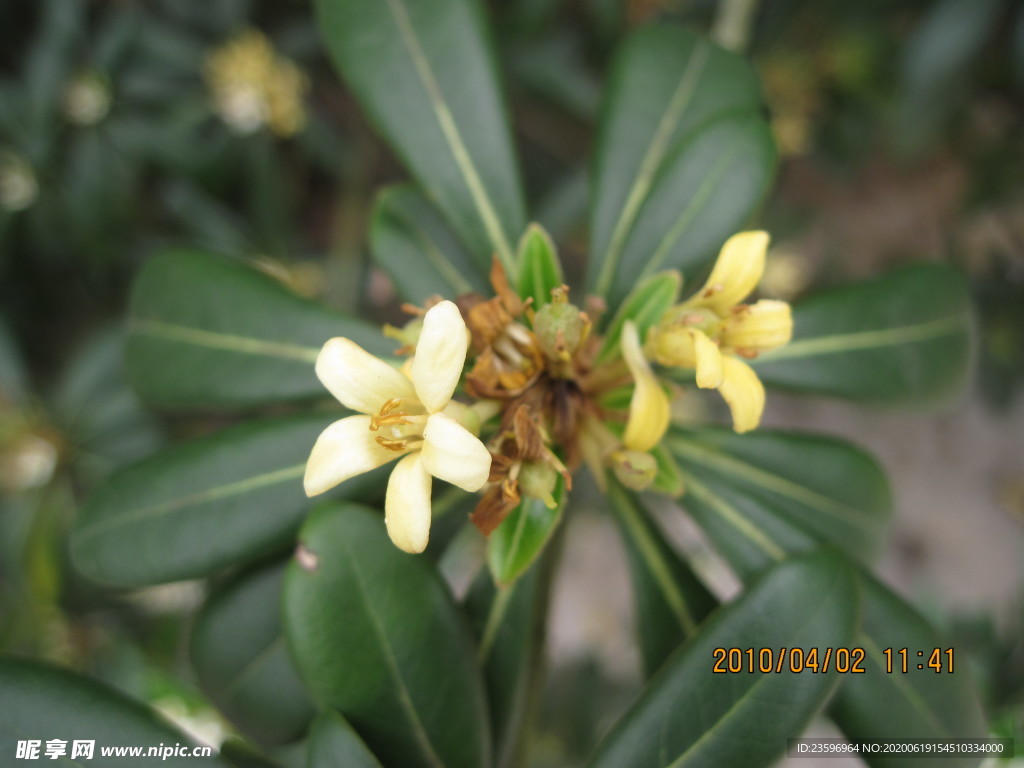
(733, 24)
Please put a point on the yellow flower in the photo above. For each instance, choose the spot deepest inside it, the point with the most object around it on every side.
(649, 406)
(712, 331)
(252, 86)
(404, 414)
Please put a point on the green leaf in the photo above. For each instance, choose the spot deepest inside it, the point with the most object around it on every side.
(97, 412)
(208, 332)
(671, 601)
(414, 245)
(669, 184)
(540, 271)
(761, 495)
(376, 635)
(241, 754)
(42, 702)
(334, 744)
(902, 337)
(936, 68)
(645, 305)
(14, 384)
(509, 624)
(199, 507)
(425, 73)
(920, 703)
(691, 716)
(522, 536)
(241, 660)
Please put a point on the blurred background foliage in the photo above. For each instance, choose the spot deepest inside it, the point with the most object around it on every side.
(129, 125)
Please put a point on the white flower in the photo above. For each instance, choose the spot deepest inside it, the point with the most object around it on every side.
(404, 415)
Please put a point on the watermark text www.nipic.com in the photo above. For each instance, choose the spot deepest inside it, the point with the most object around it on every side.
(86, 749)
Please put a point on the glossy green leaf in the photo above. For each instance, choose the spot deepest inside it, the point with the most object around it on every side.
(671, 601)
(209, 332)
(540, 271)
(691, 716)
(241, 754)
(937, 60)
(645, 305)
(425, 73)
(99, 415)
(43, 702)
(414, 245)
(670, 186)
(333, 743)
(199, 507)
(920, 703)
(376, 635)
(902, 337)
(509, 625)
(13, 377)
(519, 540)
(241, 660)
(669, 479)
(761, 495)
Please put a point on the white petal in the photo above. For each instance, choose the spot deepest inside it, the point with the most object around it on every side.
(453, 454)
(345, 449)
(440, 355)
(359, 380)
(407, 506)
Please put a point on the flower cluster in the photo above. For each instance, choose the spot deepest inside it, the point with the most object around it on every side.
(544, 395)
(252, 86)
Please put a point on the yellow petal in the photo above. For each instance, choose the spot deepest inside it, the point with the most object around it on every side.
(452, 453)
(649, 407)
(407, 505)
(761, 326)
(359, 380)
(736, 273)
(708, 360)
(440, 355)
(744, 393)
(345, 449)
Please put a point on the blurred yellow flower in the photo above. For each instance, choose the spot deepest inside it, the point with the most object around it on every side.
(252, 86)
(712, 331)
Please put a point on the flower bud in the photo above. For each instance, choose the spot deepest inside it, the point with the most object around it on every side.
(560, 328)
(634, 469)
(537, 479)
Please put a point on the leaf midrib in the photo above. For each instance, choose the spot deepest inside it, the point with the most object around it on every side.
(460, 153)
(655, 153)
(709, 457)
(848, 342)
(734, 517)
(762, 679)
(238, 487)
(245, 345)
(404, 697)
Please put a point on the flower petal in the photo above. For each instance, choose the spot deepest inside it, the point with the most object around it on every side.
(649, 406)
(407, 505)
(345, 449)
(758, 327)
(708, 359)
(440, 355)
(452, 453)
(736, 273)
(359, 380)
(744, 393)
